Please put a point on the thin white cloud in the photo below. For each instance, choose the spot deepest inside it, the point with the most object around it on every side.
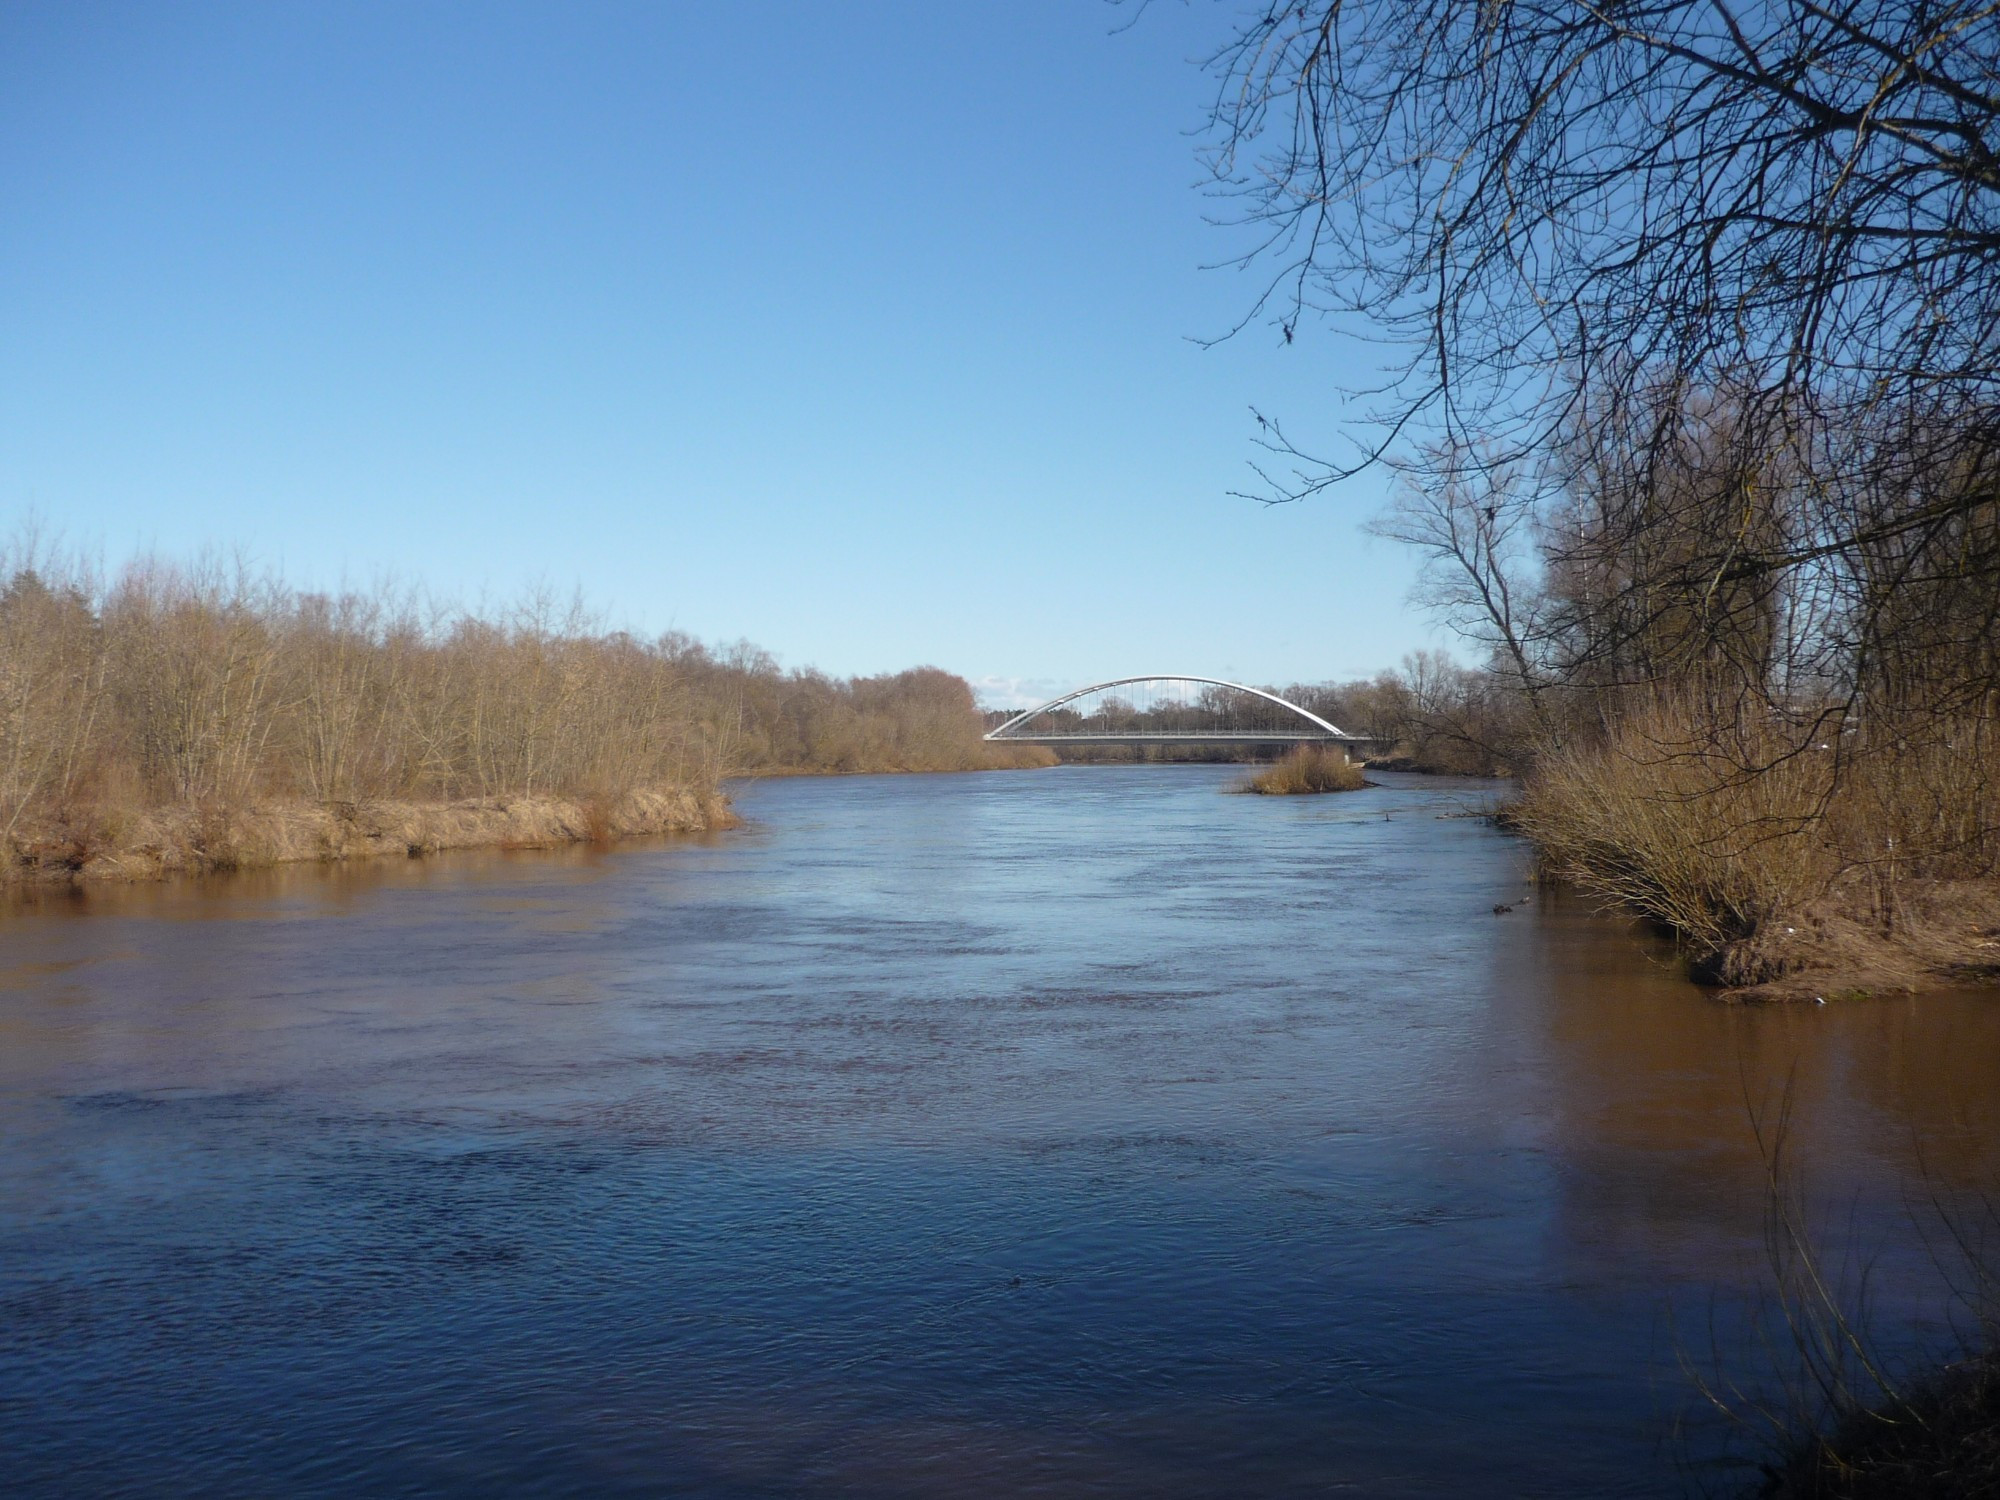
(1017, 693)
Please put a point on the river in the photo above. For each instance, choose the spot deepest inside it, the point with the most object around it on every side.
(1072, 1132)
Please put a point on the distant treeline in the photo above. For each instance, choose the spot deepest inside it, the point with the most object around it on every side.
(171, 698)
(764, 719)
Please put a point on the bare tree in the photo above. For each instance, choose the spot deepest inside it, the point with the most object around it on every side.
(1702, 296)
(1798, 199)
(1693, 319)
(1474, 523)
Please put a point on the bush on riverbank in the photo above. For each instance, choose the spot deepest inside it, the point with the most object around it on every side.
(1857, 860)
(1308, 769)
(1431, 715)
(205, 717)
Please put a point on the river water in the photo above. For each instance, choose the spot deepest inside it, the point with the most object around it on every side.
(1072, 1132)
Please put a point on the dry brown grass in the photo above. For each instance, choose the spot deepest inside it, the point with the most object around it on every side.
(209, 716)
(1654, 819)
(1308, 769)
(1871, 863)
(182, 839)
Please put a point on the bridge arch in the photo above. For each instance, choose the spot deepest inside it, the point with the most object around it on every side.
(1285, 722)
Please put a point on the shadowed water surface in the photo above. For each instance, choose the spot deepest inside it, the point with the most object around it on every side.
(1055, 1133)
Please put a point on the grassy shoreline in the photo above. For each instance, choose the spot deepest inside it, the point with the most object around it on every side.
(163, 842)
(204, 717)
(170, 841)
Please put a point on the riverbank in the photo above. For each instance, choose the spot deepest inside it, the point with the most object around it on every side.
(1489, 771)
(1849, 867)
(169, 841)
(1855, 943)
(191, 718)
(161, 842)
(1852, 945)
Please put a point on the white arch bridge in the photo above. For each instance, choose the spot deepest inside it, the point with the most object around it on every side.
(1175, 710)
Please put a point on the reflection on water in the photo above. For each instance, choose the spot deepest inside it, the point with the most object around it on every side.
(1067, 1132)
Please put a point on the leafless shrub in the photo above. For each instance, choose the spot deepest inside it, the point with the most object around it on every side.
(1657, 816)
(52, 680)
(1723, 828)
(177, 708)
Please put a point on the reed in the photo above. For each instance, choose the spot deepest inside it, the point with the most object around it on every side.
(1840, 1411)
(1306, 770)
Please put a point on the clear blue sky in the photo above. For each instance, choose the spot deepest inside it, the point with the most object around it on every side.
(861, 331)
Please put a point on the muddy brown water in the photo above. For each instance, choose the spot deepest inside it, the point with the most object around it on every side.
(1078, 1132)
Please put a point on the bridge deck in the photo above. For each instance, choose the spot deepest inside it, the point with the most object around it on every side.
(1192, 737)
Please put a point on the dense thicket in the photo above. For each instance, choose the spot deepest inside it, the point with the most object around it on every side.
(1697, 407)
(215, 688)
